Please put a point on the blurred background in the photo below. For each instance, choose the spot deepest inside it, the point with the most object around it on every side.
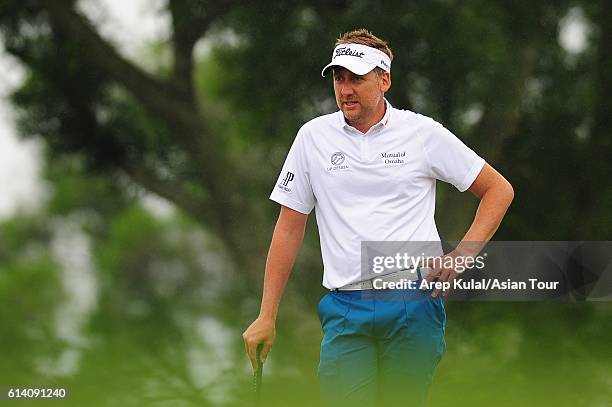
(139, 141)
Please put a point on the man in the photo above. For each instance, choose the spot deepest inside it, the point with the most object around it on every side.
(370, 172)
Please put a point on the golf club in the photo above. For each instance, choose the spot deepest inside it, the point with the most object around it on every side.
(257, 374)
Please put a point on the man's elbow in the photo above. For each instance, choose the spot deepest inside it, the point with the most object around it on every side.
(506, 192)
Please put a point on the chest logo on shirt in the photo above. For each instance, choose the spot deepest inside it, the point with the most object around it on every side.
(396, 157)
(337, 160)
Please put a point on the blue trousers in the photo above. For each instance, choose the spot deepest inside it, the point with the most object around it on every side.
(380, 347)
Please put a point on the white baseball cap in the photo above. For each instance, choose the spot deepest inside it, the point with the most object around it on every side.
(357, 58)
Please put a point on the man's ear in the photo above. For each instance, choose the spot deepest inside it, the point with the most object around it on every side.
(385, 81)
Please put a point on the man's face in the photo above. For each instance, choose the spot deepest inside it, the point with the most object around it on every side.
(360, 97)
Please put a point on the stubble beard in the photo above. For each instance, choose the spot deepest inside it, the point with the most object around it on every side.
(355, 118)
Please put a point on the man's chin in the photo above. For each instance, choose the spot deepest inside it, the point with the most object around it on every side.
(350, 115)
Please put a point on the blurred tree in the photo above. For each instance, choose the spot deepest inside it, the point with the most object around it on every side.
(142, 291)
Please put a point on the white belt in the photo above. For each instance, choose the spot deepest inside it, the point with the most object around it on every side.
(410, 274)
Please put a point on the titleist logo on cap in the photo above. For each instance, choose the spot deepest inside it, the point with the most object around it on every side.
(358, 58)
(348, 51)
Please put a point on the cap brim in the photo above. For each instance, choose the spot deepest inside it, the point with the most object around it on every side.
(356, 67)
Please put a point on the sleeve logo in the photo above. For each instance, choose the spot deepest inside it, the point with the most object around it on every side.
(285, 181)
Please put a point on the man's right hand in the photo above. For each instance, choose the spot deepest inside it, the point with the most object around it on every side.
(262, 330)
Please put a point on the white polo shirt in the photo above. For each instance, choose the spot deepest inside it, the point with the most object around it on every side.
(377, 186)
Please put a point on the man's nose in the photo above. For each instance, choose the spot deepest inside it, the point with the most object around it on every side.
(346, 89)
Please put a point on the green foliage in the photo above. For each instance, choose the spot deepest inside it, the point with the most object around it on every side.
(29, 288)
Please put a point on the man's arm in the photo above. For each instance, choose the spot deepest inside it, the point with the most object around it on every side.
(286, 241)
(495, 194)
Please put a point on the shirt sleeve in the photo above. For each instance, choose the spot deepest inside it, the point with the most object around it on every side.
(449, 159)
(293, 188)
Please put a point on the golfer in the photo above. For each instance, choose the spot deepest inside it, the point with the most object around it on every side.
(370, 170)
